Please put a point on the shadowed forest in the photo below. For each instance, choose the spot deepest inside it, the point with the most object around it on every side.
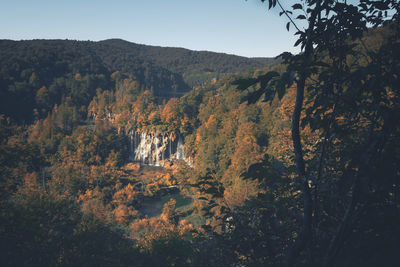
(119, 154)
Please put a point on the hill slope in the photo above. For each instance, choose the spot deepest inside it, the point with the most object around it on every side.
(181, 60)
(63, 68)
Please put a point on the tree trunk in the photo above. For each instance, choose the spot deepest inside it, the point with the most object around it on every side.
(305, 237)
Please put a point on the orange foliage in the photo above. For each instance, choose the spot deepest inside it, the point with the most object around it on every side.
(154, 115)
(123, 213)
(92, 201)
(168, 180)
(42, 95)
(212, 123)
(169, 113)
(168, 210)
(198, 138)
(149, 228)
(247, 151)
(280, 138)
(239, 191)
(125, 195)
(30, 180)
(112, 160)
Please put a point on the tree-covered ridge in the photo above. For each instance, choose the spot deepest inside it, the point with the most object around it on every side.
(185, 61)
(39, 73)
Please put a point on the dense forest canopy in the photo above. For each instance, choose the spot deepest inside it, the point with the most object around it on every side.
(37, 74)
(113, 153)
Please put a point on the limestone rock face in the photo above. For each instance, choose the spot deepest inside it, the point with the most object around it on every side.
(157, 149)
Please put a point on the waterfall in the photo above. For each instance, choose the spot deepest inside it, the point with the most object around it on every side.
(180, 149)
(156, 149)
(131, 147)
(163, 150)
(162, 157)
(157, 158)
(135, 145)
(149, 149)
(143, 147)
(170, 147)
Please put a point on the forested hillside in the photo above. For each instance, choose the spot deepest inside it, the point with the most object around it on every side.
(34, 75)
(295, 163)
(196, 66)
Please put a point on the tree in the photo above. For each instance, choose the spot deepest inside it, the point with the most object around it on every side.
(349, 86)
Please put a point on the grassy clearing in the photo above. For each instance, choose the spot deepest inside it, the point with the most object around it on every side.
(153, 207)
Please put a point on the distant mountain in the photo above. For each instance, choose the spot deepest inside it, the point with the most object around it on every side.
(77, 69)
(180, 60)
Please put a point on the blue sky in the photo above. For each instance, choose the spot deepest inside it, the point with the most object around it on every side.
(238, 27)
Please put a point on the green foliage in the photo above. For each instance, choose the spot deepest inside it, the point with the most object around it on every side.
(35, 75)
(52, 231)
(270, 83)
(348, 89)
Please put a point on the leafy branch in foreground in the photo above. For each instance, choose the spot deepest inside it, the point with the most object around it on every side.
(342, 85)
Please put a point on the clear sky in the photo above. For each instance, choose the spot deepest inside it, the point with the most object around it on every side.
(238, 27)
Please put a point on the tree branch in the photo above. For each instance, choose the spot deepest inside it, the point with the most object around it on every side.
(287, 15)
